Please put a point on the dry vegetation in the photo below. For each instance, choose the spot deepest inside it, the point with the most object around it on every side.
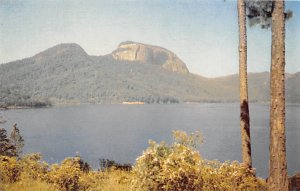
(178, 166)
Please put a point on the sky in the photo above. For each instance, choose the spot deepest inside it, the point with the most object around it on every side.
(203, 33)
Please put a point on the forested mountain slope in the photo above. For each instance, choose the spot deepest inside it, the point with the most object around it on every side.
(133, 72)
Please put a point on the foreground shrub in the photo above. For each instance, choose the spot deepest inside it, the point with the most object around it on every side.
(9, 169)
(162, 167)
(179, 167)
(68, 175)
(32, 167)
(30, 173)
(229, 176)
(169, 167)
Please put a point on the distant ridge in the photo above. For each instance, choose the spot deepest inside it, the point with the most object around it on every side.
(65, 48)
(134, 72)
(61, 51)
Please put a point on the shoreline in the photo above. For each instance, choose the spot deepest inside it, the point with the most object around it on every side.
(131, 103)
(23, 107)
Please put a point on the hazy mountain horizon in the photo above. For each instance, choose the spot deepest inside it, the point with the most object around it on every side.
(94, 55)
(132, 72)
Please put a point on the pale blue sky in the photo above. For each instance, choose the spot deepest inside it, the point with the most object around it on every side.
(203, 33)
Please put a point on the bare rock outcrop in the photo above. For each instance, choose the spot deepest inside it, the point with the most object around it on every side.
(148, 54)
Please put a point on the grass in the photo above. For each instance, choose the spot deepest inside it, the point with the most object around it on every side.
(112, 180)
(28, 185)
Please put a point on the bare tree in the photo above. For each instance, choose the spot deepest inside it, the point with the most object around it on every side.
(272, 13)
(244, 103)
(278, 179)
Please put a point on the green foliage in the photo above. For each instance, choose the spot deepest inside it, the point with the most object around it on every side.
(63, 78)
(17, 140)
(229, 176)
(32, 167)
(9, 169)
(6, 148)
(13, 96)
(106, 164)
(13, 145)
(66, 177)
(259, 12)
(179, 167)
(193, 140)
(169, 167)
(73, 174)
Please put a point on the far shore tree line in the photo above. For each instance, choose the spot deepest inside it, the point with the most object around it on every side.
(11, 97)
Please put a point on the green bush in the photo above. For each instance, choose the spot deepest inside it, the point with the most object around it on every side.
(229, 176)
(66, 176)
(32, 167)
(162, 167)
(169, 167)
(179, 167)
(9, 169)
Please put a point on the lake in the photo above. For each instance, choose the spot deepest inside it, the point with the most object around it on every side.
(121, 132)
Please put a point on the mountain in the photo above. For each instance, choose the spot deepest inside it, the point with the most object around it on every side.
(259, 86)
(133, 72)
(292, 88)
(148, 54)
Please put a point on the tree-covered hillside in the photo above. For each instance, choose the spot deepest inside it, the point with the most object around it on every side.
(66, 74)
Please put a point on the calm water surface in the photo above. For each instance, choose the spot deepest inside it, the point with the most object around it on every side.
(121, 132)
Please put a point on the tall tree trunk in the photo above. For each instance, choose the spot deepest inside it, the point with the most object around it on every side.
(244, 108)
(278, 180)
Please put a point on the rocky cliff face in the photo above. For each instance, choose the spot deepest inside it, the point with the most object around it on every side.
(149, 54)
